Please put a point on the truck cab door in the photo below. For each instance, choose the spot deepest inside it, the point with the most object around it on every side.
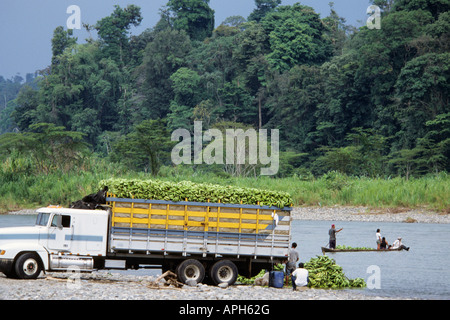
(60, 232)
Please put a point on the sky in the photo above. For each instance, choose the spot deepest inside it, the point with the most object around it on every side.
(26, 26)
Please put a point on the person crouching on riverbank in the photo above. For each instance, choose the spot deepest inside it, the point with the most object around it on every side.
(300, 277)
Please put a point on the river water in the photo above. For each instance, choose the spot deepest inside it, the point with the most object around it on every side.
(422, 272)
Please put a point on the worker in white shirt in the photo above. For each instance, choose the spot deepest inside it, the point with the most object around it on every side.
(300, 277)
(379, 238)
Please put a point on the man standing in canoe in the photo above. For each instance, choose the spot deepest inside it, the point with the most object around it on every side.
(332, 233)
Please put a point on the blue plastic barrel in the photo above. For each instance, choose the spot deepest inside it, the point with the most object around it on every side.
(276, 279)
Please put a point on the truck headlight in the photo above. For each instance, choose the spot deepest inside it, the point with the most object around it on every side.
(2, 252)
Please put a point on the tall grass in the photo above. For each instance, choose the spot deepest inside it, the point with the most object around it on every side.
(26, 190)
(21, 189)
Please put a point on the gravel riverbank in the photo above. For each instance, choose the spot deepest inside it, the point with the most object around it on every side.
(104, 285)
(365, 214)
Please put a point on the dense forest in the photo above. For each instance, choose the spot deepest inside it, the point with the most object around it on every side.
(361, 102)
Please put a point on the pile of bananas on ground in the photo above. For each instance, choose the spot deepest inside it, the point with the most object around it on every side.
(325, 273)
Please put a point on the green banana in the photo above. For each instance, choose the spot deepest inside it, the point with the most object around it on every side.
(325, 273)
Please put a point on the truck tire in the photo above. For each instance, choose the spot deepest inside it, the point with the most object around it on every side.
(27, 266)
(224, 271)
(190, 270)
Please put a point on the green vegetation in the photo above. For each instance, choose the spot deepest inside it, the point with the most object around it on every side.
(22, 186)
(363, 115)
(197, 192)
(325, 273)
(343, 247)
(248, 281)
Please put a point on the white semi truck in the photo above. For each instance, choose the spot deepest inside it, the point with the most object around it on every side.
(194, 240)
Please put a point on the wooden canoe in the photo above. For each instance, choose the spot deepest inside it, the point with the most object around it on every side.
(357, 250)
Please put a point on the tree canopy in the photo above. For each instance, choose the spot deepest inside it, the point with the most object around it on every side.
(359, 101)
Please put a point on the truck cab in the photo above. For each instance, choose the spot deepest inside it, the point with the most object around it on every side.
(61, 239)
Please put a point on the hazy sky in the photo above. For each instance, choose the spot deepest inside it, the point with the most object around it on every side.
(26, 26)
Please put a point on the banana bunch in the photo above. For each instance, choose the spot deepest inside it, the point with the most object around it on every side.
(195, 192)
(325, 273)
(248, 281)
(343, 247)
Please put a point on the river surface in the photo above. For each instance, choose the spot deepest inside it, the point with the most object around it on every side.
(422, 272)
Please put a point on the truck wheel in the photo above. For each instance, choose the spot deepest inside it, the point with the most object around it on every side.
(190, 270)
(27, 266)
(224, 271)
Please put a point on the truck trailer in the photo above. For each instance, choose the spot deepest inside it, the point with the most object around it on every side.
(204, 242)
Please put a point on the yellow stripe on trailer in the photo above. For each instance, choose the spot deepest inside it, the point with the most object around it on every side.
(223, 215)
(135, 213)
(236, 225)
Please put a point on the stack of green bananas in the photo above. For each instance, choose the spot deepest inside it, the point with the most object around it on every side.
(243, 280)
(343, 247)
(325, 273)
(195, 192)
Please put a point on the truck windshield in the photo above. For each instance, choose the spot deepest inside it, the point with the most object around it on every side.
(42, 219)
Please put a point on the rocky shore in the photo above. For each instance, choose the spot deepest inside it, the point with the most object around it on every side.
(365, 214)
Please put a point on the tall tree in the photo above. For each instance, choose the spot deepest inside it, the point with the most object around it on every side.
(147, 147)
(436, 144)
(25, 113)
(186, 83)
(344, 104)
(296, 36)
(162, 57)
(61, 40)
(435, 7)
(422, 90)
(337, 30)
(51, 147)
(263, 7)
(293, 100)
(113, 31)
(193, 16)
